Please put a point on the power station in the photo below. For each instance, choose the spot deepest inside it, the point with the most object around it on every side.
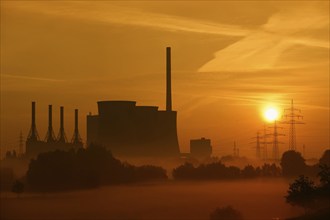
(34, 145)
(136, 131)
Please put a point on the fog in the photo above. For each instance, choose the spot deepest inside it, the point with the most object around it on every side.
(255, 199)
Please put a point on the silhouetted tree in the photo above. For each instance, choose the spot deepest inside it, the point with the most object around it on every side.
(302, 193)
(85, 168)
(293, 164)
(226, 213)
(18, 187)
(324, 175)
(270, 170)
(325, 159)
(249, 172)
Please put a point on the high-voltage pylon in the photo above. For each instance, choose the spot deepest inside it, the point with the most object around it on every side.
(276, 142)
(76, 139)
(265, 142)
(292, 119)
(61, 134)
(258, 145)
(33, 133)
(236, 150)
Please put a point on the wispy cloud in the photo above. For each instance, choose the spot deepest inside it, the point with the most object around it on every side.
(31, 78)
(109, 13)
(261, 49)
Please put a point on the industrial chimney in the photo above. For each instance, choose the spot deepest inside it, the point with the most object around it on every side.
(61, 135)
(168, 80)
(33, 134)
(50, 136)
(76, 139)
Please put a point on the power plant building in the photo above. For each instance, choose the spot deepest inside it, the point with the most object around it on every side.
(200, 148)
(136, 131)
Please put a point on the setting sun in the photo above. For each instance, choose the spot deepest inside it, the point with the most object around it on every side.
(271, 114)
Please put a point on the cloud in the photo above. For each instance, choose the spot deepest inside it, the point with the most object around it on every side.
(106, 12)
(261, 49)
(31, 78)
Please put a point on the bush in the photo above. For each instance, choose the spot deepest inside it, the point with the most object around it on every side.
(293, 164)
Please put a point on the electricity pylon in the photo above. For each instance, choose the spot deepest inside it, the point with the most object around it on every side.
(292, 119)
(276, 142)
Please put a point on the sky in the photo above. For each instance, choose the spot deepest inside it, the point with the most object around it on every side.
(230, 59)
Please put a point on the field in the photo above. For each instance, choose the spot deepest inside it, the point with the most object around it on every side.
(255, 199)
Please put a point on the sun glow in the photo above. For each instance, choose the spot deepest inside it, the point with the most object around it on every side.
(271, 114)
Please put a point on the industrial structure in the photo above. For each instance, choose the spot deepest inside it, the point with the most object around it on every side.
(292, 118)
(34, 145)
(200, 148)
(276, 142)
(129, 130)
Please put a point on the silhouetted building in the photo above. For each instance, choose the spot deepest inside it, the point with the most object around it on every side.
(200, 148)
(35, 146)
(130, 130)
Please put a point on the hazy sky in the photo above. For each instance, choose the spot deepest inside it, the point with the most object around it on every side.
(229, 61)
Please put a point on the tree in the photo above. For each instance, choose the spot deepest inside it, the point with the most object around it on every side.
(226, 213)
(293, 164)
(302, 193)
(18, 187)
(325, 159)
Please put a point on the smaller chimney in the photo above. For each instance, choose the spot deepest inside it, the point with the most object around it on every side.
(33, 134)
(61, 135)
(50, 137)
(76, 139)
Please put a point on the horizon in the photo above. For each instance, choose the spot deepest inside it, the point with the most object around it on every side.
(228, 64)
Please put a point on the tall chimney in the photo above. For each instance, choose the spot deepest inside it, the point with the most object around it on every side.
(33, 115)
(61, 135)
(33, 134)
(76, 139)
(50, 137)
(76, 119)
(50, 116)
(168, 80)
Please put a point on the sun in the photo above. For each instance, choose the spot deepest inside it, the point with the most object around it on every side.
(271, 114)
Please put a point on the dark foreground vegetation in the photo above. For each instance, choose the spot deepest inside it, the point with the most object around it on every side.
(85, 168)
(218, 171)
(313, 197)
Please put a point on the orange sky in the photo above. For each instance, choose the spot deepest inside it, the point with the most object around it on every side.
(229, 60)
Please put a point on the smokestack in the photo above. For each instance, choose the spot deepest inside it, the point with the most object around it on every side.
(50, 116)
(33, 114)
(61, 135)
(168, 80)
(33, 134)
(76, 119)
(76, 139)
(50, 137)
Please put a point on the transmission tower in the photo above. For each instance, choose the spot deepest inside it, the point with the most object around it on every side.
(236, 150)
(258, 146)
(292, 119)
(276, 142)
(265, 142)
